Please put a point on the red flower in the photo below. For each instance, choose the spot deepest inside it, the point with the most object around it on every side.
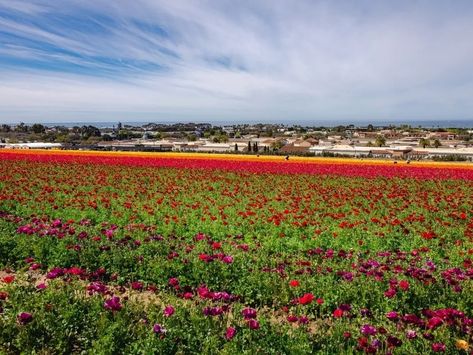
(306, 299)
(404, 285)
(294, 283)
(320, 301)
(9, 279)
(338, 313)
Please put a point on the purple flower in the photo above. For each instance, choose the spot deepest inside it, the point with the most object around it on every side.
(159, 329)
(367, 329)
(230, 333)
(113, 304)
(168, 311)
(376, 343)
(25, 318)
(41, 286)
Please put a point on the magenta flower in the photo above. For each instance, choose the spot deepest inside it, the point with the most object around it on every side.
(227, 259)
(253, 324)
(136, 285)
(249, 313)
(113, 304)
(25, 318)
(434, 322)
(411, 334)
(168, 311)
(367, 329)
(230, 333)
(392, 316)
(438, 347)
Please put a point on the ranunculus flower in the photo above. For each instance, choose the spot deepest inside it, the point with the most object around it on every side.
(292, 318)
(404, 285)
(338, 313)
(249, 313)
(159, 329)
(434, 322)
(168, 311)
(368, 329)
(294, 283)
(25, 318)
(438, 347)
(411, 334)
(390, 293)
(136, 285)
(461, 345)
(173, 281)
(3, 295)
(393, 341)
(306, 299)
(227, 259)
(230, 333)
(8, 279)
(113, 304)
(392, 315)
(253, 324)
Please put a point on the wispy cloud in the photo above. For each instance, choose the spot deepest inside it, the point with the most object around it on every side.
(253, 60)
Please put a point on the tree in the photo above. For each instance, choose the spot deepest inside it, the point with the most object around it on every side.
(38, 128)
(6, 128)
(249, 146)
(380, 141)
(370, 128)
(370, 144)
(437, 143)
(424, 142)
(236, 147)
(21, 128)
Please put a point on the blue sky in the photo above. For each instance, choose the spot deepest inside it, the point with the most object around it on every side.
(255, 60)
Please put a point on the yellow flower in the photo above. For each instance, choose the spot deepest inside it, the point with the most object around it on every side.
(461, 344)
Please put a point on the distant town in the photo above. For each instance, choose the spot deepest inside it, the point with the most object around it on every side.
(388, 142)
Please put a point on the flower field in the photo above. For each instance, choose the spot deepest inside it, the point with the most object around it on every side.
(167, 253)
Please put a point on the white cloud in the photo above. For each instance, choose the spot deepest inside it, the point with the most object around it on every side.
(249, 60)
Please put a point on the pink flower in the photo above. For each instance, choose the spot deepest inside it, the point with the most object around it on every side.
(230, 333)
(168, 311)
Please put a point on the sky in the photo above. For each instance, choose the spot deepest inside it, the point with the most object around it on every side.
(235, 61)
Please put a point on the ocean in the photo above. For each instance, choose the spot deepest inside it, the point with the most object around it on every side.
(308, 123)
